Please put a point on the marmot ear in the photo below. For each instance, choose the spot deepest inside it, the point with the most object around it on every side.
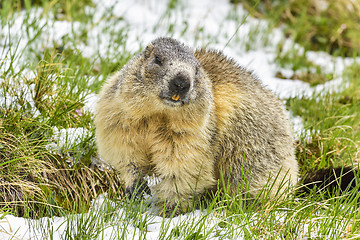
(148, 50)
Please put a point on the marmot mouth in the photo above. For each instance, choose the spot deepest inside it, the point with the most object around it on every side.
(173, 101)
(175, 97)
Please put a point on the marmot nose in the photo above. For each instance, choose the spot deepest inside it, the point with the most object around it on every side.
(180, 84)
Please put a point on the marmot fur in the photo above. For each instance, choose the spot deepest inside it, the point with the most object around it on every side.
(197, 120)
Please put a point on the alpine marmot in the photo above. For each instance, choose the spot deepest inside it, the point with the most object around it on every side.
(198, 121)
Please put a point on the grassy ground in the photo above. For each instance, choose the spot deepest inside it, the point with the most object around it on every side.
(46, 94)
(328, 25)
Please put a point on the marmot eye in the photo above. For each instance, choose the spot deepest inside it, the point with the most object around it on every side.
(158, 61)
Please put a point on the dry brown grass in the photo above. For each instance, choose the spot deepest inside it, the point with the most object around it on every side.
(36, 182)
(39, 180)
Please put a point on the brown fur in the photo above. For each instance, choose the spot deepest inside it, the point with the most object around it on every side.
(225, 124)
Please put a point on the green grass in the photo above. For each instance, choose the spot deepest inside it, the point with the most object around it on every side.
(63, 9)
(329, 26)
(40, 178)
(333, 122)
(44, 179)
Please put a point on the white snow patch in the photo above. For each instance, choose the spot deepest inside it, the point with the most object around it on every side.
(70, 136)
(19, 90)
(90, 101)
(12, 227)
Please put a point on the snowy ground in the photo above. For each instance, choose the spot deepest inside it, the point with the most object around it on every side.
(19, 228)
(208, 20)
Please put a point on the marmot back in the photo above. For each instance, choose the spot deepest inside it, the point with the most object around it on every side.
(196, 120)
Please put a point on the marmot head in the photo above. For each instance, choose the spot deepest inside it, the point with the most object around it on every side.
(171, 73)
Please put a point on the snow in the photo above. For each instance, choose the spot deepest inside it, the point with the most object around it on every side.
(70, 136)
(207, 23)
(21, 228)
